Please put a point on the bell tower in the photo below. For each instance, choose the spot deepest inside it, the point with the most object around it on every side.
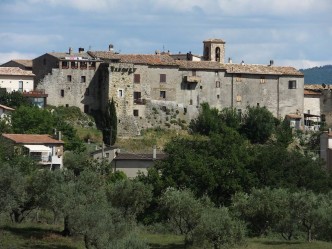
(214, 50)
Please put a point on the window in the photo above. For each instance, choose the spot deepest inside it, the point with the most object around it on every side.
(87, 92)
(262, 80)
(20, 86)
(193, 72)
(162, 78)
(83, 79)
(135, 112)
(292, 84)
(137, 95)
(217, 84)
(73, 64)
(218, 96)
(65, 64)
(62, 93)
(190, 102)
(69, 78)
(200, 87)
(163, 94)
(120, 93)
(83, 64)
(137, 78)
(257, 104)
(218, 54)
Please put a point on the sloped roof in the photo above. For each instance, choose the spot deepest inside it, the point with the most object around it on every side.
(311, 92)
(147, 59)
(214, 41)
(129, 156)
(32, 139)
(63, 55)
(261, 69)
(25, 63)
(15, 71)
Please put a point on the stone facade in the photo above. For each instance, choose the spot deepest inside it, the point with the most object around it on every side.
(70, 79)
(163, 91)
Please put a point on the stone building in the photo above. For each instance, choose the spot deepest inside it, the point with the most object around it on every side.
(70, 79)
(166, 90)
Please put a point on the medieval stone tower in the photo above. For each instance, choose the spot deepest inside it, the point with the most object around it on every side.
(214, 50)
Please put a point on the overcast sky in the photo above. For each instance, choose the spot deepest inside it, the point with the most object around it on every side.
(291, 32)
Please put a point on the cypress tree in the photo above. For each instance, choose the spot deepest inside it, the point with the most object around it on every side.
(110, 124)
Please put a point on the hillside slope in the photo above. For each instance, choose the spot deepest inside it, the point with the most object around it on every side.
(318, 75)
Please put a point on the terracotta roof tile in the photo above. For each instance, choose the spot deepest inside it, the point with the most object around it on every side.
(15, 71)
(317, 87)
(26, 63)
(32, 139)
(148, 59)
(261, 69)
(311, 92)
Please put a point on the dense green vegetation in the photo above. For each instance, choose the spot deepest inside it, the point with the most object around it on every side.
(235, 177)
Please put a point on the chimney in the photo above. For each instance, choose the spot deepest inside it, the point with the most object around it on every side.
(154, 155)
(157, 52)
(242, 63)
(110, 48)
(59, 135)
(80, 50)
(271, 63)
(70, 50)
(230, 60)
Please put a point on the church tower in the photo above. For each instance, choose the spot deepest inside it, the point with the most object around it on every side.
(214, 50)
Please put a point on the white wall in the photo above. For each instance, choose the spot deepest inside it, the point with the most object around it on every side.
(11, 83)
(312, 104)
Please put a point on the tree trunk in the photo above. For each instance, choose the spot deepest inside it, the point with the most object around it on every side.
(66, 230)
(309, 235)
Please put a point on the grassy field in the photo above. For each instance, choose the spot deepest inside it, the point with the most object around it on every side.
(41, 236)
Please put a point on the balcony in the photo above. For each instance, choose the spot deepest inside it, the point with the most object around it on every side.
(192, 79)
(37, 93)
(139, 101)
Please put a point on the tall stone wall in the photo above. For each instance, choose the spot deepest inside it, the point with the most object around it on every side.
(61, 91)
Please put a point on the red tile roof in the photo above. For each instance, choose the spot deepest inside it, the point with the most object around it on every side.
(15, 71)
(148, 59)
(32, 139)
(167, 60)
(311, 92)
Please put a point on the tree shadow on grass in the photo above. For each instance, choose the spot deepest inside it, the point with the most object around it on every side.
(30, 232)
(168, 246)
(32, 236)
(281, 242)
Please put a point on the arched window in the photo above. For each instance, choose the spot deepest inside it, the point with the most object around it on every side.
(218, 54)
(206, 53)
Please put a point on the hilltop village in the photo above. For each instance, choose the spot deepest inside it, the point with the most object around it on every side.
(176, 84)
(250, 160)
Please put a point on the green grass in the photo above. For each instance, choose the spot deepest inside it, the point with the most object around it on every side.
(42, 236)
(36, 236)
